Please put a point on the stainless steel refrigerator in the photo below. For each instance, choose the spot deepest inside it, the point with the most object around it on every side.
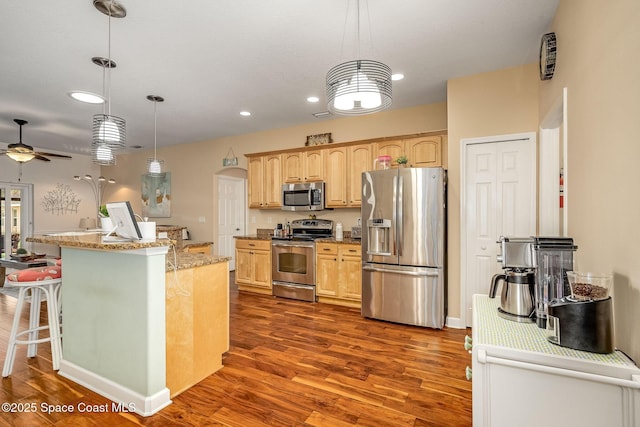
(403, 246)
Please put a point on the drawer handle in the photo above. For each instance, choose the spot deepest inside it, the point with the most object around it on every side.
(326, 249)
(352, 250)
(252, 244)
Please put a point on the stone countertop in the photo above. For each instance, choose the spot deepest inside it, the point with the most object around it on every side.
(185, 260)
(346, 240)
(92, 240)
(253, 237)
(194, 243)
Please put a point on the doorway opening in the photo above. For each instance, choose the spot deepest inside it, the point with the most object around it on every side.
(230, 185)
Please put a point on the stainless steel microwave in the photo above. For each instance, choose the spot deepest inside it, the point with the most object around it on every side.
(306, 196)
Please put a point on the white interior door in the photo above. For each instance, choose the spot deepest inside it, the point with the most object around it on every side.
(499, 200)
(231, 215)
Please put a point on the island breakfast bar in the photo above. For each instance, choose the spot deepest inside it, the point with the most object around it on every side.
(116, 301)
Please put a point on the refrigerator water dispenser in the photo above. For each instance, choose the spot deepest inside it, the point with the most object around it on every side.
(379, 235)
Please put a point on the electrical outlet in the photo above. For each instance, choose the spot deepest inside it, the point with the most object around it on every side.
(201, 219)
(269, 220)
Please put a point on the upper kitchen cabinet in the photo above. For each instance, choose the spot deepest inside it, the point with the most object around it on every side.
(335, 169)
(255, 182)
(303, 166)
(265, 181)
(359, 159)
(422, 152)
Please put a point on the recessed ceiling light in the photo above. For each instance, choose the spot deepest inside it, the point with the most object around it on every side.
(245, 113)
(313, 99)
(397, 76)
(88, 97)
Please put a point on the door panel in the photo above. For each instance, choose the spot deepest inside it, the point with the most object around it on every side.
(500, 200)
(231, 202)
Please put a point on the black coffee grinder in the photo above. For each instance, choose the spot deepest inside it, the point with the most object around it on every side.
(584, 319)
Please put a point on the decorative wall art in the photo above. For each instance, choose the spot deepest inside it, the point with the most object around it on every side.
(61, 201)
(156, 195)
(319, 139)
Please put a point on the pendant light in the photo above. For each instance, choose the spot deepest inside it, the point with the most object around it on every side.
(154, 166)
(109, 132)
(360, 86)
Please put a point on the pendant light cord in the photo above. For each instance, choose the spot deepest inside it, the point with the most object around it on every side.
(155, 124)
(109, 64)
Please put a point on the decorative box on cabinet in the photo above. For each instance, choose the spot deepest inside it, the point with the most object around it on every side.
(519, 378)
(253, 265)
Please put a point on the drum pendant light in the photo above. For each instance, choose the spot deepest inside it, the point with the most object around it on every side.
(109, 132)
(360, 86)
(154, 166)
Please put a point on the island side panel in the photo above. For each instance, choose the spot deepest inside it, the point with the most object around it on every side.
(197, 304)
(113, 305)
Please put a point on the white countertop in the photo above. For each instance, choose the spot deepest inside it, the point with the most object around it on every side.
(492, 330)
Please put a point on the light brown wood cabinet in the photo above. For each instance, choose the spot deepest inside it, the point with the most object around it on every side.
(343, 172)
(425, 151)
(302, 166)
(197, 324)
(339, 165)
(253, 265)
(335, 169)
(339, 273)
(359, 160)
(265, 181)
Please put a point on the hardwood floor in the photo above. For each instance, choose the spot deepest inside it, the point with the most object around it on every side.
(291, 363)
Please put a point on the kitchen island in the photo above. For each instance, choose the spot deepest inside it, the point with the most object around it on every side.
(114, 303)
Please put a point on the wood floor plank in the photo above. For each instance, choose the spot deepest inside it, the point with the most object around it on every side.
(290, 363)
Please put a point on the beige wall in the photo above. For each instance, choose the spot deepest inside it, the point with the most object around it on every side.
(496, 103)
(45, 176)
(193, 166)
(598, 62)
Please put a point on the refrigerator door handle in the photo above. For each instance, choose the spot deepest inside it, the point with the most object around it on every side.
(405, 272)
(400, 223)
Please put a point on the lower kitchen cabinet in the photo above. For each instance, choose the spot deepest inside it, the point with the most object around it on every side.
(521, 379)
(253, 265)
(339, 274)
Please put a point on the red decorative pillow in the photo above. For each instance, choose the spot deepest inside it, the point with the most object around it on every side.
(36, 274)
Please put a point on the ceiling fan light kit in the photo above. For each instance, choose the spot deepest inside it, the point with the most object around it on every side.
(359, 86)
(22, 153)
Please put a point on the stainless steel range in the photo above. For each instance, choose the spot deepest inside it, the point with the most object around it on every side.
(293, 259)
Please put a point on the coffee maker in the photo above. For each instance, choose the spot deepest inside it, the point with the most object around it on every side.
(584, 319)
(552, 259)
(518, 279)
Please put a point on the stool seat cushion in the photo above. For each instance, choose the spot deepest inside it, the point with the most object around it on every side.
(36, 274)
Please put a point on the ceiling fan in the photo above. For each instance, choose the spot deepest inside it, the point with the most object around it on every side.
(22, 153)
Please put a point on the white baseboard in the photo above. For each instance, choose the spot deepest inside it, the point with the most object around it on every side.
(129, 400)
(455, 323)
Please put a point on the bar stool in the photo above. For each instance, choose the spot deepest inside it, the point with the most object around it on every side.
(38, 280)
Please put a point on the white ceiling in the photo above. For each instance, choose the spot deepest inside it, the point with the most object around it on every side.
(212, 59)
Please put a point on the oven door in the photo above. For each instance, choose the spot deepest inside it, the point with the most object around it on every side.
(293, 262)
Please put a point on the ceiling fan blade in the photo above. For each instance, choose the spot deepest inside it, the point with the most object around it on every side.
(39, 157)
(52, 155)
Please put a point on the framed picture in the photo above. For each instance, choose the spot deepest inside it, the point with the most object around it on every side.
(319, 139)
(156, 196)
